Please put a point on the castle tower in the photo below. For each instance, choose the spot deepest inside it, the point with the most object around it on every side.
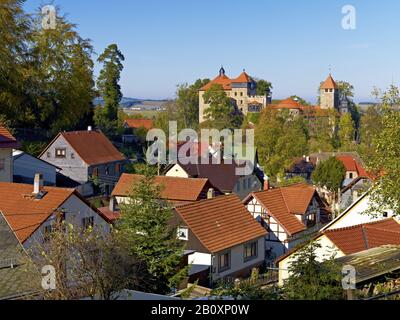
(329, 94)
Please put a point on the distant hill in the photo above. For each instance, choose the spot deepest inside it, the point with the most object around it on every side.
(131, 102)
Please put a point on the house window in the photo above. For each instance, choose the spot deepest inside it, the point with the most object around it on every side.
(183, 233)
(235, 94)
(95, 172)
(2, 164)
(385, 214)
(241, 94)
(72, 155)
(250, 251)
(224, 262)
(107, 171)
(48, 155)
(350, 175)
(61, 153)
(87, 223)
(117, 168)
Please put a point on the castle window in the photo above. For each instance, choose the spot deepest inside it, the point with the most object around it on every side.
(330, 90)
(326, 90)
(241, 94)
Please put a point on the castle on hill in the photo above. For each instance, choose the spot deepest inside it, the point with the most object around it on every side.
(242, 92)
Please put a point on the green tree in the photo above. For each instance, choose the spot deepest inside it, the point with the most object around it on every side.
(322, 131)
(279, 138)
(187, 101)
(221, 113)
(15, 31)
(330, 174)
(312, 280)
(384, 160)
(264, 87)
(144, 225)
(60, 88)
(370, 126)
(346, 132)
(108, 86)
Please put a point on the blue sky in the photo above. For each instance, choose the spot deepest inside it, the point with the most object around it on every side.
(288, 42)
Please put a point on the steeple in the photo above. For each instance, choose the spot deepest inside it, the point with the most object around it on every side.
(222, 71)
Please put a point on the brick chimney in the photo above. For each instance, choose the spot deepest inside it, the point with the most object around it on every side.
(38, 183)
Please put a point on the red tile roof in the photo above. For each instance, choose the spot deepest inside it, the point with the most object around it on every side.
(25, 214)
(221, 223)
(226, 82)
(7, 140)
(284, 203)
(140, 123)
(243, 78)
(221, 80)
(111, 216)
(365, 236)
(174, 189)
(329, 83)
(352, 164)
(93, 147)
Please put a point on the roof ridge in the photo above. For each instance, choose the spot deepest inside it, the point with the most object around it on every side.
(368, 224)
(207, 200)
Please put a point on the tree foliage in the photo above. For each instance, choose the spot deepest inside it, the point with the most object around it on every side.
(330, 174)
(279, 138)
(144, 225)
(46, 76)
(221, 113)
(310, 279)
(384, 158)
(346, 132)
(264, 87)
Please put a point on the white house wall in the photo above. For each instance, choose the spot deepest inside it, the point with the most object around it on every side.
(326, 251)
(237, 259)
(75, 210)
(356, 215)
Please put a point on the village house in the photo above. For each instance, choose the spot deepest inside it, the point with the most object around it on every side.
(88, 158)
(132, 126)
(290, 215)
(206, 161)
(241, 90)
(19, 278)
(175, 190)
(7, 144)
(33, 210)
(224, 239)
(359, 212)
(27, 166)
(346, 241)
(355, 182)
